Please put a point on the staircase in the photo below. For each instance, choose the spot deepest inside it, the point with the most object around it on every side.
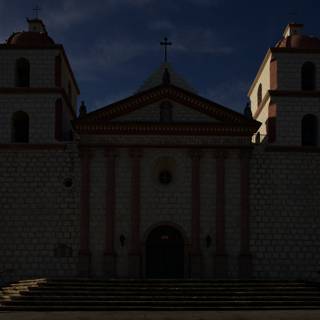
(158, 295)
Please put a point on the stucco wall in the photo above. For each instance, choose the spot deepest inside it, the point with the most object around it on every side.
(42, 64)
(289, 69)
(290, 111)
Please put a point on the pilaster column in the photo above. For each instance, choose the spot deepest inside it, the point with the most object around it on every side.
(110, 196)
(134, 249)
(84, 253)
(195, 254)
(220, 259)
(245, 257)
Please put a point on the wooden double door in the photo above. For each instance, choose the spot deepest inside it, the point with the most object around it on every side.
(165, 253)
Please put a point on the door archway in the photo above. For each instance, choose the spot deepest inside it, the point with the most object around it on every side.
(165, 253)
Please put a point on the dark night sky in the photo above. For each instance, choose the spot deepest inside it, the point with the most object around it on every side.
(113, 45)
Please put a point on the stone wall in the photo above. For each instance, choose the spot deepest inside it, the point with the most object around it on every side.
(285, 214)
(39, 215)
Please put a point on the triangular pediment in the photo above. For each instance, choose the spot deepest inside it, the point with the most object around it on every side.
(139, 109)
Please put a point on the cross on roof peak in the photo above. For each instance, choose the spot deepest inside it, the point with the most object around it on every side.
(36, 10)
(165, 43)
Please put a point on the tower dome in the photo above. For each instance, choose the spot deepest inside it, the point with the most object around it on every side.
(36, 36)
(294, 39)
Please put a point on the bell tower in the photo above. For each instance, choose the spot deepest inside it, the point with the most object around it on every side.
(38, 91)
(285, 93)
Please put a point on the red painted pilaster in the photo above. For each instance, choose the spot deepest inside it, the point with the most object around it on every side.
(110, 200)
(195, 243)
(84, 253)
(195, 258)
(134, 249)
(110, 195)
(245, 258)
(220, 203)
(220, 262)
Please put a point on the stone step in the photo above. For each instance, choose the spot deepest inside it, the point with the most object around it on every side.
(159, 289)
(163, 285)
(162, 293)
(226, 301)
(158, 308)
(164, 282)
(166, 298)
(159, 294)
(161, 303)
(83, 280)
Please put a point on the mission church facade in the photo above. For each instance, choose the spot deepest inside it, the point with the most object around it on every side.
(164, 183)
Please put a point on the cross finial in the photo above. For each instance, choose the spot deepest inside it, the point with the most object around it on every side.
(165, 43)
(36, 10)
(293, 15)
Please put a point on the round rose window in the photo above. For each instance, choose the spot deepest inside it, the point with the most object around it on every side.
(165, 177)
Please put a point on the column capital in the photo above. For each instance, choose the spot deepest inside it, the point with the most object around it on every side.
(135, 152)
(195, 153)
(220, 153)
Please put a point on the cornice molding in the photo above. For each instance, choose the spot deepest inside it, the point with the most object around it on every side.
(174, 93)
(165, 129)
(5, 46)
(37, 90)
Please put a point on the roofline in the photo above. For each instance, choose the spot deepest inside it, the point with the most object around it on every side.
(37, 90)
(36, 20)
(133, 128)
(294, 50)
(169, 86)
(269, 52)
(5, 46)
(293, 24)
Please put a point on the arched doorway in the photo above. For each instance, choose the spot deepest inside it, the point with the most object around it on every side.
(165, 253)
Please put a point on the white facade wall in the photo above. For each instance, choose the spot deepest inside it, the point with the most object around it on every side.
(66, 79)
(41, 111)
(262, 78)
(162, 204)
(289, 69)
(290, 111)
(42, 65)
(263, 117)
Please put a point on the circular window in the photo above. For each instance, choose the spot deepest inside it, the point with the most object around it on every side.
(165, 177)
(67, 182)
